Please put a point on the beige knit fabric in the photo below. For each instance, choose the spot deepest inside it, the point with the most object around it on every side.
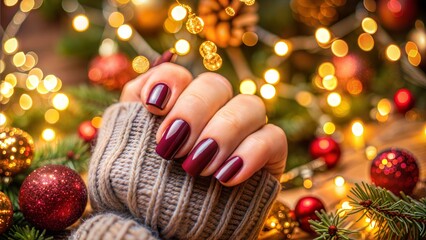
(126, 175)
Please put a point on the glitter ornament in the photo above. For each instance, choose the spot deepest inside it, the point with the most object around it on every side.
(6, 213)
(212, 61)
(305, 210)
(327, 149)
(194, 24)
(396, 170)
(87, 131)
(282, 219)
(53, 197)
(404, 100)
(16, 151)
(207, 47)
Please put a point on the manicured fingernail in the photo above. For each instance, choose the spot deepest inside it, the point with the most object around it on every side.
(159, 96)
(173, 139)
(200, 157)
(229, 168)
(167, 56)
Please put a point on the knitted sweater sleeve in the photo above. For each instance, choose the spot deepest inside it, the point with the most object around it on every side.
(127, 176)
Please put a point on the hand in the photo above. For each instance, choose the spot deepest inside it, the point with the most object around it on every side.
(220, 134)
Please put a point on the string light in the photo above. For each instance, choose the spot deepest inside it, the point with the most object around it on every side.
(6, 89)
(329, 128)
(140, 64)
(272, 76)
(42, 89)
(11, 78)
(36, 72)
(323, 35)
(172, 26)
(25, 101)
(339, 48)
(267, 91)
(365, 42)
(60, 101)
(248, 86)
(10, 3)
(282, 48)
(194, 24)
(250, 38)
(51, 116)
(307, 183)
(27, 5)
(393, 53)
(329, 82)
(207, 47)
(3, 119)
(116, 19)
(369, 25)
(357, 128)
(19, 59)
(125, 32)
(182, 47)
(10, 45)
(108, 47)
(96, 122)
(354, 86)
(212, 61)
(178, 13)
(326, 68)
(2, 65)
(370, 152)
(48, 134)
(384, 107)
(339, 181)
(80, 23)
(32, 82)
(50, 82)
(334, 99)
(304, 98)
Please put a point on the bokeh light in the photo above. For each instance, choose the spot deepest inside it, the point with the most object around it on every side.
(369, 25)
(32, 82)
(25, 101)
(267, 91)
(357, 128)
(51, 116)
(329, 128)
(272, 76)
(334, 99)
(370, 152)
(60, 101)
(48, 134)
(248, 86)
(365, 42)
(50, 82)
(250, 38)
(96, 122)
(11, 78)
(329, 82)
(182, 47)
(10, 45)
(27, 5)
(282, 48)
(307, 183)
(125, 32)
(10, 3)
(339, 48)
(3, 119)
(6, 89)
(304, 98)
(178, 13)
(384, 107)
(116, 19)
(339, 181)
(326, 68)
(19, 59)
(80, 23)
(140, 64)
(323, 35)
(393, 53)
(354, 86)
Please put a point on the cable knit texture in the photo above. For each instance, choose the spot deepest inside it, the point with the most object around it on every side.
(127, 176)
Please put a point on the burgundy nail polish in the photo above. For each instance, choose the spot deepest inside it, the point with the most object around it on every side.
(167, 56)
(229, 168)
(200, 157)
(159, 96)
(173, 139)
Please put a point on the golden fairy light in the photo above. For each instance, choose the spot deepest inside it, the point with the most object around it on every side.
(125, 32)
(365, 42)
(96, 122)
(116, 19)
(357, 128)
(27, 5)
(354, 86)
(3, 119)
(207, 47)
(329, 128)
(272, 76)
(230, 11)
(60, 101)
(182, 47)
(339, 48)
(282, 48)
(50, 82)
(139, 2)
(384, 107)
(370, 152)
(140, 64)
(178, 13)
(107, 47)
(248, 86)
(32, 82)
(369, 25)
(326, 68)
(80, 23)
(267, 91)
(25, 101)
(393, 53)
(10, 3)
(36, 72)
(48, 134)
(2, 66)
(329, 82)
(334, 99)
(307, 183)
(304, 98)
(6, 89)
(323, 35)
(248, 2)
(51, 116)
(172, 26)
(212, 61)
(250, 38)
(19, 59)
(10, 45)
(194, 24)
(11, 78)
(339, 181)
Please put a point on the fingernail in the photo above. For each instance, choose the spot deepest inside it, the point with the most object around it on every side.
(167, 56)
(159, 96)
(200, 157)
(228, 169)
(173, 139)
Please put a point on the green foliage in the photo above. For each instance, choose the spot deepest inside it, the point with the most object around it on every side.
(327, 224)
(25, 233)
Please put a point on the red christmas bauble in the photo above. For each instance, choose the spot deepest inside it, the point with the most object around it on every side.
(397, 15)
(53, 197)
(112, 71)
(396, 170)
(87, 131)
(404, 100)
(305, 210)
(327, 149)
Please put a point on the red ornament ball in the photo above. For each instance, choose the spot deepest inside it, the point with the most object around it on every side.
(53, 197)
(404, 100)
(326, 148)
(396, 170)
(305, 210)
(87, 131)
(397, 15)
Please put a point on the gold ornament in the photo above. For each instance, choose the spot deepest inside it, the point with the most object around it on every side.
(207, 47)
(281, 221)
(6, 213)
(16, 151)
(194, 24)
(212, 61)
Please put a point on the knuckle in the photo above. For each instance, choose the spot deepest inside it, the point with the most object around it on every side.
(195, 98)
(260, 143)
(279, 132)
(230, 118)
(252, 102)
(218, 81)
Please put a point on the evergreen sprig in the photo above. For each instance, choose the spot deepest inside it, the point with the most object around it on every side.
(25, 233)
(330, 226)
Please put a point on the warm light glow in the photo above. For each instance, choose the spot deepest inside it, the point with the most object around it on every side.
(416, 60)
(250, 38)
(357, 128)
(139, 2)
(96, 122)
(178, 13)
(172, 26)
(248, 86)
(6, 89)
(326, 68)
(108, 47)
(60, 101)
(323, 35)
(182, 47)
(339, 181)
(369, 25)
(230, 11)
(354, 86)
(25, 101)
(272, 76)
(48, 134)
(411, 49)
(10, 46)
(27, 5)
(329, 128)
(393, 53)
(80, 23)
(3, 119)
(32, 82)
(346, 205)
(267, 91)
(124, 32)
(281, 48)
(329, 82)
(365, 42)
(30, 60)
(36, 72)
(50, 82)
(51, 116)
(304, 98)
(11, 78)
(339, 48)
(343, 109)
(19, 59)
(10, 3)
(140, 64)
(307, 183)
(2, 66)
(370, 152)
(384, 106)
(206, 48)
(116, 19)
(334, 99)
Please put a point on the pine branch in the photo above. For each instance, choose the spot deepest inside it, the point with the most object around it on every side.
(330, 226)
(25, 233)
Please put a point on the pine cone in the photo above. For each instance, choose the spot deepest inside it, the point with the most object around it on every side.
(223, 29)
